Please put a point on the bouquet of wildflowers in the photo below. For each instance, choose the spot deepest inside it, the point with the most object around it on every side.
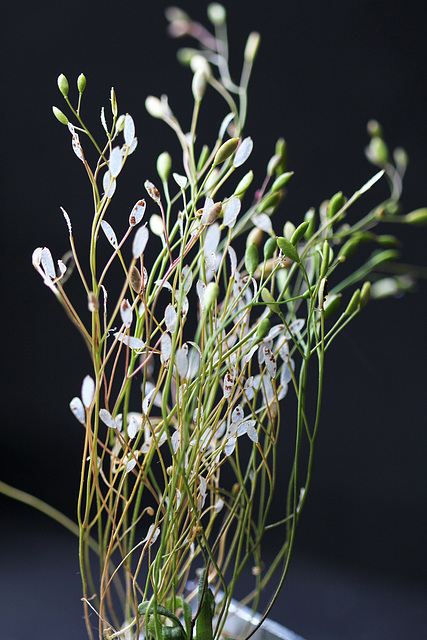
(204, 312)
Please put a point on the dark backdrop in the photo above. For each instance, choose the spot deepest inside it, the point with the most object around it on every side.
(324, 69)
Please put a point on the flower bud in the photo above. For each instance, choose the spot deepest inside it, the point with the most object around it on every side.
(332, 304)
(349, 248)
(374, 128)
(418, 218)
(255, 236)
(353, 305)
(325, 259)
(270, 301)
(59, 115)
(377, 151)
(310, 217)
(252, 46)
(365, 294)
(120, 123)
(81, 83)
(63, 85)
(251, 258)
(154, 107)
(264, 327)
(113, 99)
(164, 163)
(270, 202)
(299, 232)
(225, 150)
(288, 230)
(216, 14)
(269, 248)
(282, 180)
(198, 85)
(244, 184)
(210, 295)
(336, 203)
(204, 155)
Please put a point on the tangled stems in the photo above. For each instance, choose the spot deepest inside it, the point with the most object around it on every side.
(195, 341)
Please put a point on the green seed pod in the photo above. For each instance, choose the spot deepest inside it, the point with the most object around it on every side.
(255, 236)
(282, 151)
(204, 155)
(59, 115)
(225, 151)
(270, 202)
(417, 218)
(349, 248)
(288, 249)
(332, 304)
(386, 240)
(216, 14)
(273, 164)
(299, 232)
(365, 294)
(288, 230)
(244, 184)
(264, 327)
(252, 46)
(251, 258)
(325, 259)
(336, 203)
(310, 217)
(164, 164)
(63, 85)
(353, 305)
(270, 301)
(81, 83)
(282, 180)
(269, 248)
(210, 295)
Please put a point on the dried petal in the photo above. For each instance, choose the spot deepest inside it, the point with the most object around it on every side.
(107, 418)
(76, 406)
(181, 181)
(270, 362)
(109, 184)
(116, 161)
(228, 385)
(129, 341)
(88, 391)
(212, 238)
(152, 191)
(126, 313)
(139, 242)
(243, 152)
(231, 210)
(109, 232)
(170, 318)
(129, 130)
(137, 213)
(165, 347)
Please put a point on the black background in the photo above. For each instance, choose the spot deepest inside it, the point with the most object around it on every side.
(324, 69)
